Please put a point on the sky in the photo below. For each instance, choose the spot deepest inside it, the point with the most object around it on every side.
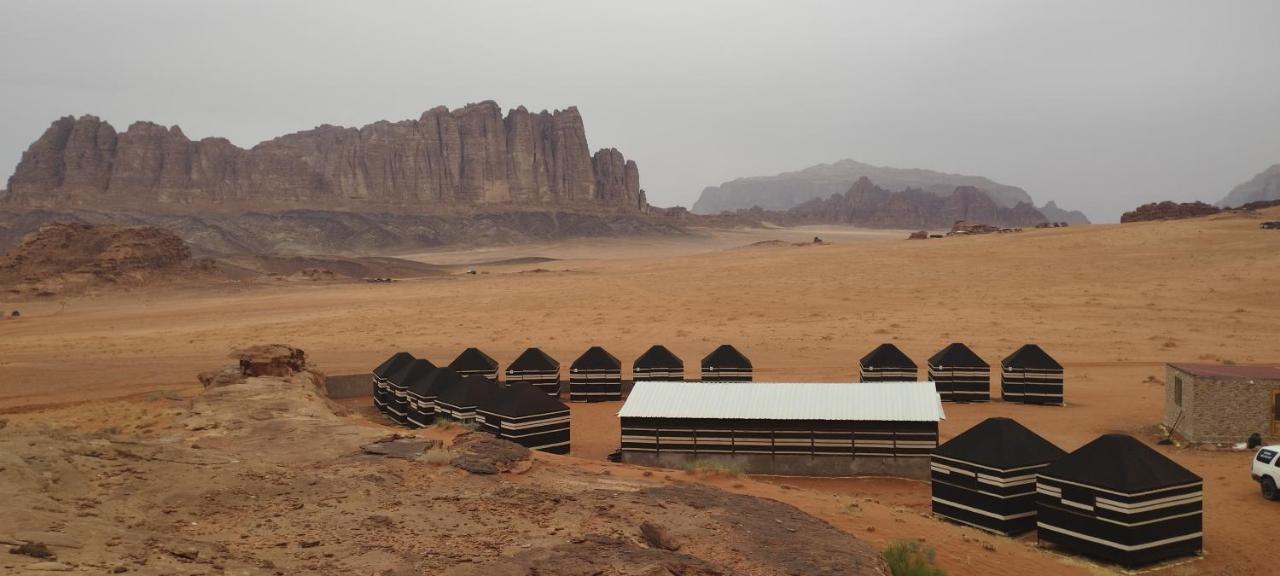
(1099, 105)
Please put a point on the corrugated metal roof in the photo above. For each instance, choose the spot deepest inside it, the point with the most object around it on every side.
(863, 401)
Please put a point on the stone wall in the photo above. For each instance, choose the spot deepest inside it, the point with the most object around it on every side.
(1220, 410)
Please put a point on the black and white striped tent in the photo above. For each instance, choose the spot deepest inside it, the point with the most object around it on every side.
(1031, 376)
(658, 364)
(596, 376)
(1118, 500)
(459, 400)
(423, 392)
(527, 416)
(382, 375)
(397, 397)
(474, 362)
(960, 374)
(726, 364)
(886, 364)
(535, 367)
(986, 476)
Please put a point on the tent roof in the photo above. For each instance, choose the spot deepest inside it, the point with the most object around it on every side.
(957, 354)
(1000, 443)
(473, 359)
(657, 356)
(390, 365)
(534, 359)
(1120, 463)
(516, 399)
(861, 401)
(726, 356)
(432, 382)
(1031, 356)
(411, 370)
(596, 358)
(887, 355)
(469, 391)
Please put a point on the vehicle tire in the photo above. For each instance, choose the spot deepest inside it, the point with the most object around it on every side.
(1269, 490)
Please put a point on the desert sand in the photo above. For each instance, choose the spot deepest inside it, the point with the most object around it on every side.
(1111, 302)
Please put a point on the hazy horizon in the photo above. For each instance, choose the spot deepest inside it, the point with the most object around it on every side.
(1099, 107)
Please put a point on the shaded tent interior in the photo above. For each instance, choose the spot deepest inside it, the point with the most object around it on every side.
(459, 400)
(726, 364)
(474, 362)
(526, 415)
(887, 363)
(382, 377)
(960, 374)
(658, 364)
(596, 376)
(536, 368)
(1031, 376)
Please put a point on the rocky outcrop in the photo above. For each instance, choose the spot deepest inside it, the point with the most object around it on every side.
(866, 204)
(1263, 187)
(1056, 214)
(473, 157)
(1168, 211)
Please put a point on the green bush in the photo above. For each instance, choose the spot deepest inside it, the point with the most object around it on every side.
(911, 558)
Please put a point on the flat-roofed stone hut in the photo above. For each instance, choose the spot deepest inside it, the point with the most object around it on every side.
(887, 363)
(833, 429)
(459, 400)
(473, 361)
(398, 391)
(658, 363)
(1031, 376)
(382, 378)
(538, 369)
(1222, 403)
(527, 416)
(596, 376)
(986, 476)
(1118, 500)
(726, 364)
(423, 393)
(961, 375)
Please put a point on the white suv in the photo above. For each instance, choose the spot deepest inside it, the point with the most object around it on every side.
(1266, 471)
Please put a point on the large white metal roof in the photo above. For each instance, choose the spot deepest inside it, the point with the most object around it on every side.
(862, 401)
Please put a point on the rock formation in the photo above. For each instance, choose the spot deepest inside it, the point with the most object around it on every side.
(445, 160)
(1056, 214)
(1263, 187)
(1168, 211)
(866, 204)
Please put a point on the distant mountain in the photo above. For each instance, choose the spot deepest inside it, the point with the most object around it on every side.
(1265, 186)
(866, 204)
(791, 189)
(1056, 214)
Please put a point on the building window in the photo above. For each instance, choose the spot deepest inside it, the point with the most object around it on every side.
(1177, 390)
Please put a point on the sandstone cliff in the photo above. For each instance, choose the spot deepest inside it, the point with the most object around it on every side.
(1056, 214)
(1168, 211)
(1263, 187)
(473, 157)
(865, 204)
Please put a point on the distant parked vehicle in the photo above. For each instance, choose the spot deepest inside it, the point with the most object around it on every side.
(1266, 471)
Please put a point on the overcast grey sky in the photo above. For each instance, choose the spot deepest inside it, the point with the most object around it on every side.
(1098, 105)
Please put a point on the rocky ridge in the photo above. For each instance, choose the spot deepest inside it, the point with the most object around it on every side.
(1264, 186)
(1168, 210)
(866, 204)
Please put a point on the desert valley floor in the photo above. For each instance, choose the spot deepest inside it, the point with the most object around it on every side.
(1112, 302)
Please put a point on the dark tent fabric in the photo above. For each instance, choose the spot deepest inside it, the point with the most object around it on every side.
(958, 354)
(473, 361)
(527, 416)
(1001, 443)
(726, 363)
(887, 364)
(422, 394)
(459, 399)
(398, 393)
(596, 358)
(1031, 356)
(657, 363)
(1031, 376)
(536, 367)
(960, 374)
(1119, 500)
(381, 384)
(596, 376)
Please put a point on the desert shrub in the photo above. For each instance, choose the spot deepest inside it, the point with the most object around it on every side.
(713, 468)
(911, 558)
(436, 457)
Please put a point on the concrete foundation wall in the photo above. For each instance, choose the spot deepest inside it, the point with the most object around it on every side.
(349, 385)
(791, 464)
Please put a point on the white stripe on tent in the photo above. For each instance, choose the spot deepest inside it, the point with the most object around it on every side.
(1118, 546)
(1165, 489)
(986, 513)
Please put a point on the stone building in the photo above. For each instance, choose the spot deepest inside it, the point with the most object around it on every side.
(1222, 403)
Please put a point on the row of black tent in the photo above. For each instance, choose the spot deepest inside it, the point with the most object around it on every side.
(1114, 499)
(1029, 375)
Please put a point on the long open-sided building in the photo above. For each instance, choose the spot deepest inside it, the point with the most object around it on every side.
(459, 400)
(887, 363)
(527, 416)
(986, 476)
(658, 363)
(961, 375)
(596, 376)
(821, 429)
(1119, 500)
(382, 377)
(538, 369)
(423, 393)
(397, 397)
(473, 362)
(1031, 376)
(726, 364)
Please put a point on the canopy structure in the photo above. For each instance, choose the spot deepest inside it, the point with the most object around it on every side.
(459, 400)
(472, 361)
(961, 375)
(726, 364)
(526, 415)
(596, 376)
(535, 367)
(423, 392)
(382, 375)
(398, 390)
(1119, 500)
(658, 363)
(886, 364)
(1031, 376)
(986, 476)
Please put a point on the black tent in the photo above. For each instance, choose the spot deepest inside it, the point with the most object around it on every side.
(1031, 376)
(535, 367)
(886, 364)
(960, 374)
(474, 362)
(458, 400)
(658, 364)
(423, 392)
(397, 398)
(596, 376)
(382, 374)
(986, 476)
(527, 416)
(726, 364)
(1118, 500)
